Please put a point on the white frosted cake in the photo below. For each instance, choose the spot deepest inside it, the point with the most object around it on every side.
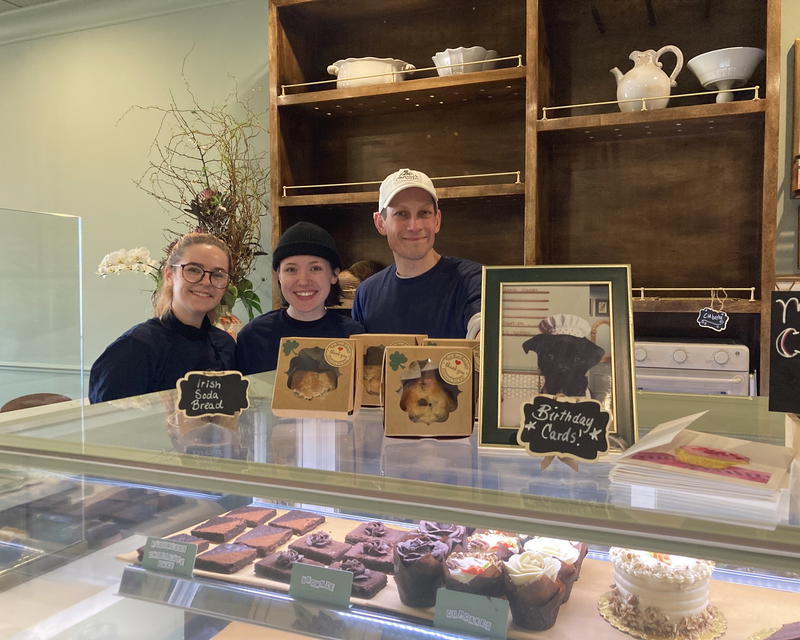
(659, 594)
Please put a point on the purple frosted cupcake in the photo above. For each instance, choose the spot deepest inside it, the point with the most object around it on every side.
(452, 534)
(419, 569)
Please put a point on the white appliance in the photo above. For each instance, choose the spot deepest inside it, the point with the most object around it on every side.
(686, 366)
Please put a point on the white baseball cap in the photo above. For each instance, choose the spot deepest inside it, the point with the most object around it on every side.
(403, 179)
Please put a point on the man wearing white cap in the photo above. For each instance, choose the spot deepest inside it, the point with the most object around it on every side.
(423, 291)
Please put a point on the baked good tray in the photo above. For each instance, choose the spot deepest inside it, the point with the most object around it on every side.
(745, 607)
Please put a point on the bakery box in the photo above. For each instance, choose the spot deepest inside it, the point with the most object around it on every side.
(427, 391)
(371, 346)
(475, 347)
(315, 377)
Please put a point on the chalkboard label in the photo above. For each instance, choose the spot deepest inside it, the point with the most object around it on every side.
(784, 353)
(321, 584)
(202, 393)
(712, 319)
(572, 429)
(169, 556)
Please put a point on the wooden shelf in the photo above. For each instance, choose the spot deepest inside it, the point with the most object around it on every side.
(692, 305)
(408, 95)
(672, 121)
(371, 197)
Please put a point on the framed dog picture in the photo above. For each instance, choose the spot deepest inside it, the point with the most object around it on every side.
(563, 331)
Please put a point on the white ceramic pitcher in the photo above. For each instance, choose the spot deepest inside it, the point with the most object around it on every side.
(646, 79)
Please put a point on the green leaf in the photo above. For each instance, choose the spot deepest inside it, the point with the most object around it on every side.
(396, 360)
(289, 346)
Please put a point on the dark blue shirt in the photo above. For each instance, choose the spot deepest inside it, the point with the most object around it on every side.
(258, 342)
(438, 303)
(154, 355)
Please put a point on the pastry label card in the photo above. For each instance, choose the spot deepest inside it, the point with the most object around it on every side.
(321, 584)
(169, 556)
(784, 353)
(202, 393)
(470, 613)
(553, 427)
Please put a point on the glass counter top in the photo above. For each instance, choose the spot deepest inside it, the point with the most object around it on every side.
(351, 466)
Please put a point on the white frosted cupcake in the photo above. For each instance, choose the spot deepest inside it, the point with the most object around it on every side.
(533, 589)
(570, 554)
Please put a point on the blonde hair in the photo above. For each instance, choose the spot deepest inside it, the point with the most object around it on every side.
(162, 297)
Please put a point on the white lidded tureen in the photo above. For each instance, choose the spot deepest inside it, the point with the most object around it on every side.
(463, 60)
(358, 72)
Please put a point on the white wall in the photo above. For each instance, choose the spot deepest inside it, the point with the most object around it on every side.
(69, 71)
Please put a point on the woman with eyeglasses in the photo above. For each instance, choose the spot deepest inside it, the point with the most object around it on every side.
(153, 355)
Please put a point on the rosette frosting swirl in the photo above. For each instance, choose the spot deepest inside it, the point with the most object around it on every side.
(356, 567)
(564, 550)
(529, 566)
(319, 539)
(439, 530)
(414, 549)
(375, 530)
(376, 548)
(288, 558)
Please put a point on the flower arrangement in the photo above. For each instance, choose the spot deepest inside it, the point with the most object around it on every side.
(210, 166)
(136, 260)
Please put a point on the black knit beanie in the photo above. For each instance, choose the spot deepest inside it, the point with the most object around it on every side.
(306, 239)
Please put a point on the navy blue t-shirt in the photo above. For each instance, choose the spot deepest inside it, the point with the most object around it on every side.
(438, 303)
(153, 355)
(258, 341)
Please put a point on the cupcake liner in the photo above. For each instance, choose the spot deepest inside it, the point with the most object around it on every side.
(528, 610)
(484, 585)
(418, 582)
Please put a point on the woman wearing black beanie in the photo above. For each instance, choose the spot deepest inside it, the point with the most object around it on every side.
(308, 265)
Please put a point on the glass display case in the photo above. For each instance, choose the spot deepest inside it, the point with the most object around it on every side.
(81, 489)
(40, 309)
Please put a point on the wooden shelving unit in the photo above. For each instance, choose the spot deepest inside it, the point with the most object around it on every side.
(686, 194)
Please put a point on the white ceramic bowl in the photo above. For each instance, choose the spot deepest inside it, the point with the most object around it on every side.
(350, 71)
(725, 68)
(459, 56)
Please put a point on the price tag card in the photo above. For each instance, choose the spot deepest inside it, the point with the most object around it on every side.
(202, 393)
(169, 556)
(470, 613)
(321, 584)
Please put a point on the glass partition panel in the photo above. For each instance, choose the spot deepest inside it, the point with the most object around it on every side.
(40, 307)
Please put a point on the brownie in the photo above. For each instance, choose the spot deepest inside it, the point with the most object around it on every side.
(278, 565)
(298, 521)
(374, 554)
(225, 558)
(219, 529)
(372, 530)
(252, 516)
(419, 569)
(264, 539)
(321, 547)
(366, 582)
(202, 545)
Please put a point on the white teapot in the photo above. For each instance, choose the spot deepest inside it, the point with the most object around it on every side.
(646, 79)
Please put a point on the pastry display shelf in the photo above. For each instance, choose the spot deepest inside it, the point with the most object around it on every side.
(718, 119)
(408, 95)
(350, 466)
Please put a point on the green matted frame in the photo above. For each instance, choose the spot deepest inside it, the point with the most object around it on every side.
(618, 280)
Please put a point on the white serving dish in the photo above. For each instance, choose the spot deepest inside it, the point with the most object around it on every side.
(351, 71)
(725, 68)
(453, 61)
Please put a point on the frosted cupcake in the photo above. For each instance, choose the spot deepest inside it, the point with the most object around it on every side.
(502, 544)
(533, 589)
(570, 553)
(419, 569)
(480, 573)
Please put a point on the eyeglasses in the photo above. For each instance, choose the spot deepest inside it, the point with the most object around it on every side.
(194, 273)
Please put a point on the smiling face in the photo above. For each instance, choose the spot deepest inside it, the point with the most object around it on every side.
(305, 283)
(410, 225)
(191, 302)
